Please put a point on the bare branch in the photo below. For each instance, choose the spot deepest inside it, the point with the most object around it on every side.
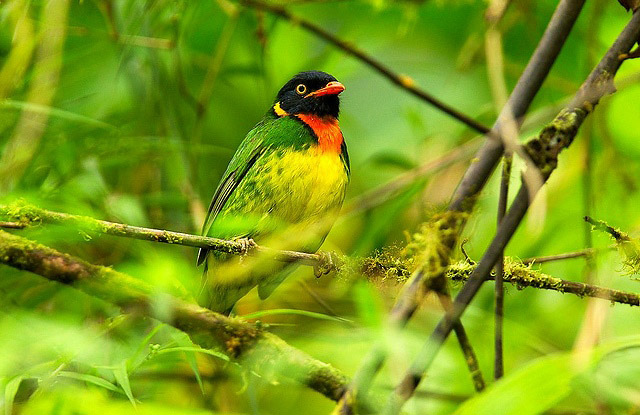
(559, 257)
(498, 366)
(495, 69)
(523, 93)
(465, 345)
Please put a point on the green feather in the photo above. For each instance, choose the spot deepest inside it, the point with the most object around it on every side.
(276, 179)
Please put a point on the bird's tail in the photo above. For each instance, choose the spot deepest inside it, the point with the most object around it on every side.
(219, 294)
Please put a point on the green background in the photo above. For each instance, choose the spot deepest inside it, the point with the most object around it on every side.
(152, 99)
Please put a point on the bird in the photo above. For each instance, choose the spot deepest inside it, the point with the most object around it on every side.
(283, 188)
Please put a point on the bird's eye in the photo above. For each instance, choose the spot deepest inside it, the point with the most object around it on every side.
(301, 89)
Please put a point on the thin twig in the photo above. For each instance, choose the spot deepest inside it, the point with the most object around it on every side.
(544, 151)
(498, 366)
(403, 81)
(616, 234)
(559, 257)
(495, 68)
(465, 345)
(522, 277)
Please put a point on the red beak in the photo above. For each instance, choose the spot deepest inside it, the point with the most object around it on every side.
(332, 88)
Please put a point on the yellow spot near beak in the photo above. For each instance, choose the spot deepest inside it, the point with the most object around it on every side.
(279, 111)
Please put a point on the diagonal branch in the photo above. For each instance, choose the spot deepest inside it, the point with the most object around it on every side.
(544, 151)
(478, 172)
(488, 156)
(402, 81)
(261, 351)
(523, 93)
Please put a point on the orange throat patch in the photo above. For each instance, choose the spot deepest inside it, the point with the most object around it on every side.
(326, 129)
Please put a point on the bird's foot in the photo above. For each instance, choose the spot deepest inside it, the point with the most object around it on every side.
(329, 261)
(246, 245)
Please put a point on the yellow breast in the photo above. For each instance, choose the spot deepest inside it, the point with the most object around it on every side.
(306, 184)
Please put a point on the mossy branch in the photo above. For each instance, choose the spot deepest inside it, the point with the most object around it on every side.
(522, 276)
(628, 247)
(616, 234)
(588, 252)
(24, 215)
(244, 343)
(387, 267)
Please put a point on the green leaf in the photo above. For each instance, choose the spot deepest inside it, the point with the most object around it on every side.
(185, 342)
(194, 349)
(530, 390)
(10, 393)
(291, 311)
(138, 356)
(98, 381)
(122, 376)
(393, 159)
(55, 112)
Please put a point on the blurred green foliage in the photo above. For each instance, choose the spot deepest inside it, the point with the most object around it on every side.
(130, 111)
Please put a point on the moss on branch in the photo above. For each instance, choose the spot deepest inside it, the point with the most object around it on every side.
(28, 215)
(522, 276)
(255, 349)
(425, 251)
(555, 137)
(628, 247)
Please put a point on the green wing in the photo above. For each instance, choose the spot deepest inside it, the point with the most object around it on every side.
(250, 150)
(270, 133)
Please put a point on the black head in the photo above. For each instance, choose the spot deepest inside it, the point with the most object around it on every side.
(311, 92)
